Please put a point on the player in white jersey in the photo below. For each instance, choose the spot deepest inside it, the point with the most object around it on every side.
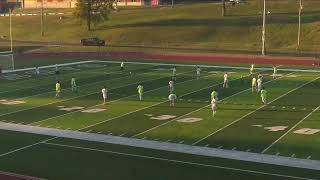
(171, 88)
(213, 106)
(122, 66)
(198, 70)
(57, 69)
(104, 92)
(259, 83)
(37, 71)
(274, 75)
(225, 80)
(252, 69)
(172, 98)
(174, 73)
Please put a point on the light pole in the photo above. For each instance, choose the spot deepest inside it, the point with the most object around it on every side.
(42, 29)
(299, 27)
(11, 39)
(263, 50)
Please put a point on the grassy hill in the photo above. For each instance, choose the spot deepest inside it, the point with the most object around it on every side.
(192, 26)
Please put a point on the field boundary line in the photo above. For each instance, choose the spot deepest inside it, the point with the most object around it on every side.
(52, 76)
(175, 161)
(276, 141)
(239, 119)
(165, 146)
(200, 108)
(161, 102)
(10, 174)
(63, 100)
(108, 102)
(210, 66)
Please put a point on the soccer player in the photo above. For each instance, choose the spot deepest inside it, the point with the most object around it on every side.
(140, 91)
(122, 66)
(104, 92)
(259, 83)
(174, 71)
(73, 84)
(254, 84)
(213, 106)
(58, 89)
(214, 95)
(37, 71)
(172, 98)
(274, 75)
(57, 69)
(251, 68)
(198, 70)
(225, 80)
(264, 96)
(171, 83)
(260, 76)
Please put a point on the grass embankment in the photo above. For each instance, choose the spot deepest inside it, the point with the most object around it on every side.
(195, 27)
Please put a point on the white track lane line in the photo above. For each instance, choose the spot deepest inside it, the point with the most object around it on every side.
(253, 111)
(177, 161)
(276, 141)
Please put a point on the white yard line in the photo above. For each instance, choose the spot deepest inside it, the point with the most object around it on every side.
(26, 147)
(160, 125)
(10, 174)
(253, 111)
(176, 161)
(37, 122)
(75, 97)
(161, 102)
(276, 141)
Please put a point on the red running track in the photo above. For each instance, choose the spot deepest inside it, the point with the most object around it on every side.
(183, 57)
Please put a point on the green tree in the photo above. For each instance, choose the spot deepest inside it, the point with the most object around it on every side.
(93, 11)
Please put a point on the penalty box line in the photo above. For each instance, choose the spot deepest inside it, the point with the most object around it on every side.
(107, 120)
(198, 109)
(184, 114)
(64, 100)
(293, 127)
(174, 161)
(108, 102)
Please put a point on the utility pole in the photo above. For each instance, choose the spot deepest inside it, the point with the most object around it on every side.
(11, 39)
(223, 8)
(89, 15)
(299, 28)
(263, 51)
(42, 29)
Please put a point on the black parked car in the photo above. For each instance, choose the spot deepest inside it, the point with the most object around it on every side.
(93, 42)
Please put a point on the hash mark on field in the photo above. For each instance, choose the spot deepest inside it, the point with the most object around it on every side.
(122, 134)
(293, 155)
(207, 145)
(169, 140)
(89, 130)
(181, 142)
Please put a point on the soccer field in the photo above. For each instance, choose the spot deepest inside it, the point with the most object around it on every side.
(76, 136)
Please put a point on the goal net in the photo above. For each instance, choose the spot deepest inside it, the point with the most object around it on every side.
(6, 61)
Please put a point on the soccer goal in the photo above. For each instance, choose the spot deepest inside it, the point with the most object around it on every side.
(6, 61)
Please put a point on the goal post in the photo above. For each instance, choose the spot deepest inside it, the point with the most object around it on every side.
(6, 61)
